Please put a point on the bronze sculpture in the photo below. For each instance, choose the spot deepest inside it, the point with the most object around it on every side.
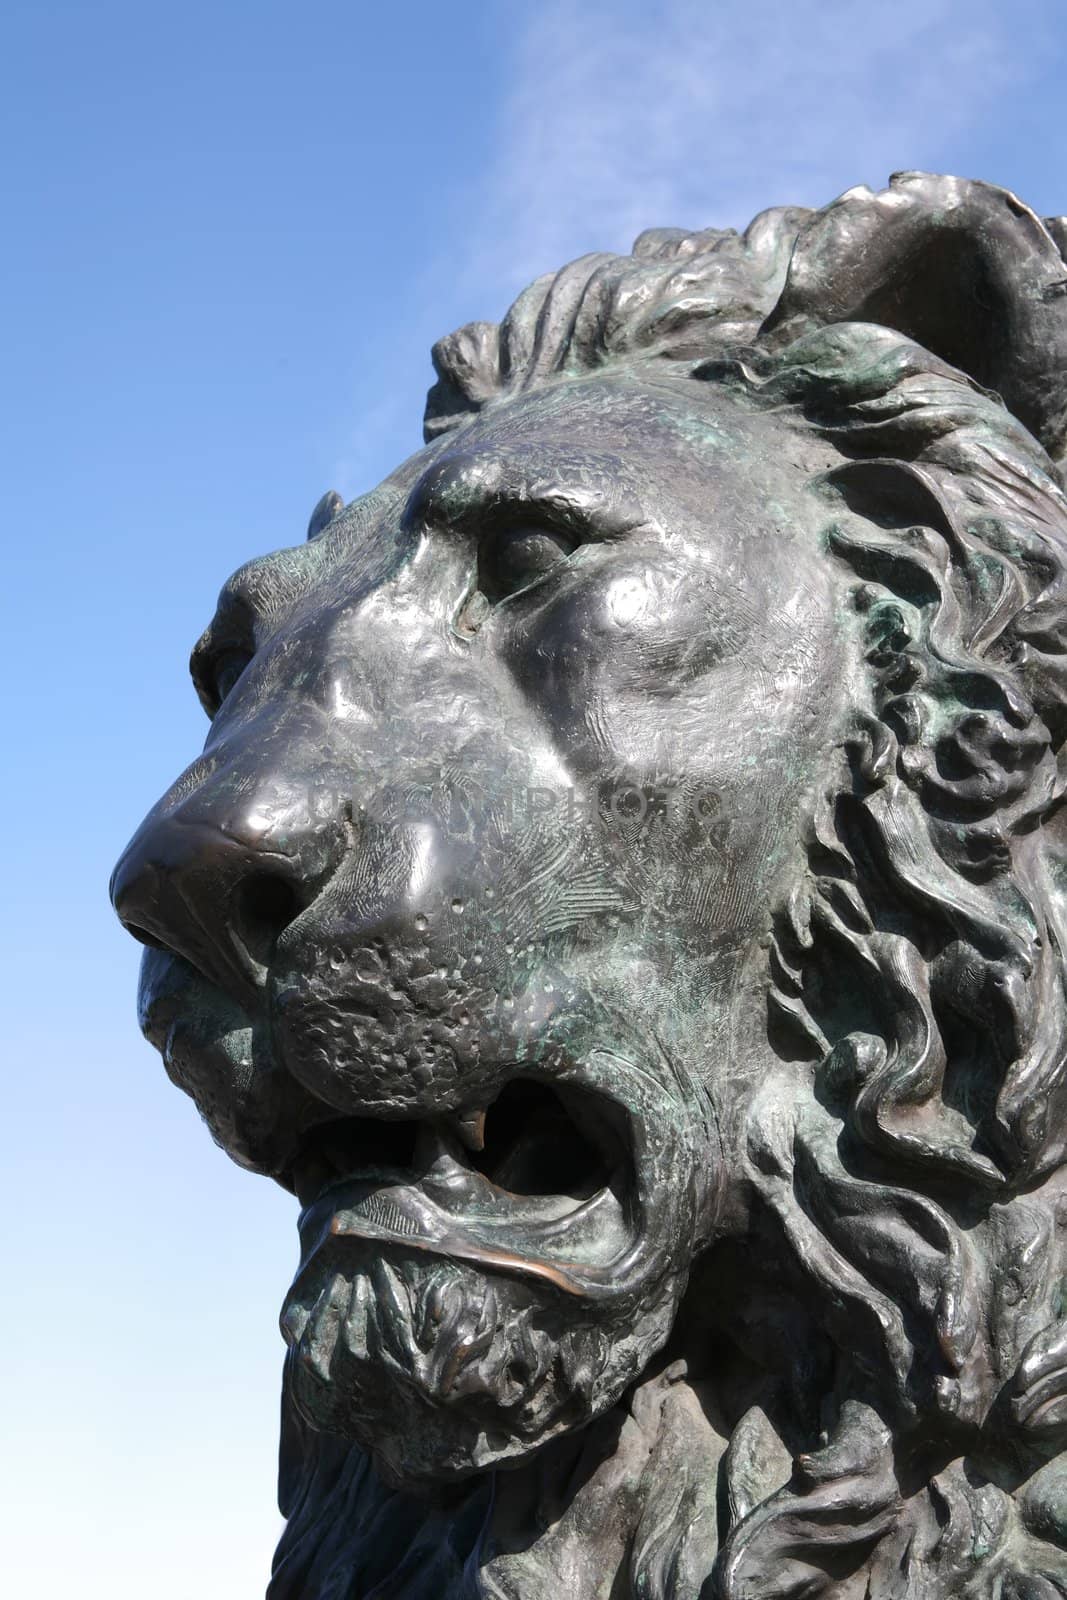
(622, 896)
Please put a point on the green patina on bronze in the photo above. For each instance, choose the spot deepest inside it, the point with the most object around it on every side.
(622, 896)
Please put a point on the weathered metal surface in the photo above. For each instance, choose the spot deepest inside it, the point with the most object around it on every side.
(622, 896)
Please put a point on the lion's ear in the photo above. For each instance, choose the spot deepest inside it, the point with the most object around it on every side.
(963, 268)
(324, 513)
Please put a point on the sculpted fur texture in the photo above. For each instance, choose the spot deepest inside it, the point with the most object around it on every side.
(622, 898)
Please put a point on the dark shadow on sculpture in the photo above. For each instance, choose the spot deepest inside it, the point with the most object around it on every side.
(622, 897)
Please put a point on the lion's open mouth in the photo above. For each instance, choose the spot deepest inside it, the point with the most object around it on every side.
(539, 1181)
(528, 1141)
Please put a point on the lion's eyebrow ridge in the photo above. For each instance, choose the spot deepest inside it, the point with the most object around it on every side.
(459, 492)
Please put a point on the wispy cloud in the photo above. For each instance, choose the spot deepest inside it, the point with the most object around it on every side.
(610, 116)
(698, 112)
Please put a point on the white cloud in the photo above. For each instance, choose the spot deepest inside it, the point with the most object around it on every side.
(698, 112)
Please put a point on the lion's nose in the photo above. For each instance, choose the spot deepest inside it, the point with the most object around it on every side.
(218, 878)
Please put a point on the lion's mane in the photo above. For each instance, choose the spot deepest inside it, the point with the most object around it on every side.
(911, 1156)
(909, 1149)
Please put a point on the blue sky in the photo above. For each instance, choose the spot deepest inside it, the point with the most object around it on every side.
(233, 231)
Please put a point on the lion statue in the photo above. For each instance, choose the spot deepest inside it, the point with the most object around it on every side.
(623, 896)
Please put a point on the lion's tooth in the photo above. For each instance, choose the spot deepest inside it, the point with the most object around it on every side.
(471, 1128)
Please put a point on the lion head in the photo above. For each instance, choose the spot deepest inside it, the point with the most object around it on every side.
(622, 897)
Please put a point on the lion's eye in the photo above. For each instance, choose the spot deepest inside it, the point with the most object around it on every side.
(513, 558)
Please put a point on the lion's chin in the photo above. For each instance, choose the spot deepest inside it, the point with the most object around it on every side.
(439, 1370)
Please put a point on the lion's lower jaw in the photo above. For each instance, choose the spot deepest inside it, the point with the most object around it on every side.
(626, 1507)
(440, 1372)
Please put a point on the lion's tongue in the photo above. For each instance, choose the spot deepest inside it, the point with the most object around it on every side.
(456, 1212)
(405, 1215)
